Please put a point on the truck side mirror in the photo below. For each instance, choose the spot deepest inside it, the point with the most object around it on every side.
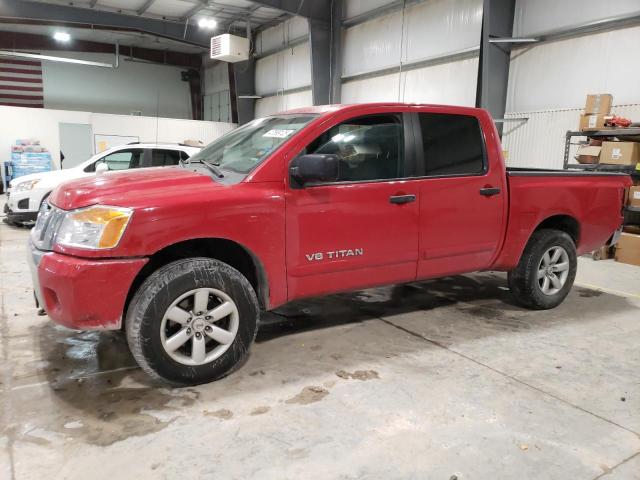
(314, 167)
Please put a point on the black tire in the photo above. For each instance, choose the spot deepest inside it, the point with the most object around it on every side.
(156, 294)
(523, 280)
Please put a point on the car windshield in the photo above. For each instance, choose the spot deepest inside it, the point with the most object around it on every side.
(243, 149)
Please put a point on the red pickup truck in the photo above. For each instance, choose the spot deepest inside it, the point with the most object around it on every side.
(304, 203)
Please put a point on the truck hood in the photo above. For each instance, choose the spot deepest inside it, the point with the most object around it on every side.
(132, 188)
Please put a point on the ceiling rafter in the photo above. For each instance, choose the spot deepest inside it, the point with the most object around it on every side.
(143, 9)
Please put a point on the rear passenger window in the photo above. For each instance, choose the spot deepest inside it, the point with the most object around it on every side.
(164, 158)
(452, 144)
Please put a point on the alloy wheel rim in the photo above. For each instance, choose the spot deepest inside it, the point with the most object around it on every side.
(553, 270)
(199, 326)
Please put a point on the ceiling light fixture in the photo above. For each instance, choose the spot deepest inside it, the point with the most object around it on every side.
(62, 36)
(208, 23)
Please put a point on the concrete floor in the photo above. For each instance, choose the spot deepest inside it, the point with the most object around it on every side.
(432, 380)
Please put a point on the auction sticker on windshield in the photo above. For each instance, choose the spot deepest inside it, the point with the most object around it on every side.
(277, 133)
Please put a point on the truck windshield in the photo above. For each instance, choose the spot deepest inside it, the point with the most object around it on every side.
(241, 150)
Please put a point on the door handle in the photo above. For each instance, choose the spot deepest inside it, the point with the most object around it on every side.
(399, 199)
(489, 191)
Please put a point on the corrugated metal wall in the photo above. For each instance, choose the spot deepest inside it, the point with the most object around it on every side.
(539, 142)
(421, 32)
(559, 74)
(288, 67)
(538, 16)
(548, 82)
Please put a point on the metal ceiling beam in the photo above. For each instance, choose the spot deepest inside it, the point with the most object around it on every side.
(66, 15)
(143, 9)
(33, 42)
(319, 10)
(196, 10)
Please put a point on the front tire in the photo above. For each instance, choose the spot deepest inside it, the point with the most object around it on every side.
(546, 271)
(192, 321)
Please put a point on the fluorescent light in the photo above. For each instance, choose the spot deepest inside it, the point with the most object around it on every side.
(208, 23)
(62, 36)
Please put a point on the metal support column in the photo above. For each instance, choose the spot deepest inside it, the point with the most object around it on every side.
(244, 79)
(324, 40)
(493, 66)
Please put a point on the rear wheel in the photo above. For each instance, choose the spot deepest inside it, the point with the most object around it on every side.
(192, 321)
(546, 271)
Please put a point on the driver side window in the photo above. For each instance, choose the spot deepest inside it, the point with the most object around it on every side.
(368, 148)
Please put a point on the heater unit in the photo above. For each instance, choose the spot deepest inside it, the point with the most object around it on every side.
(229, 48)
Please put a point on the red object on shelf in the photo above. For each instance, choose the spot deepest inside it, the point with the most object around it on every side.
(616, 121)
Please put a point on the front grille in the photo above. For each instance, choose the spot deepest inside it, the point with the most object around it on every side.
(44, 233)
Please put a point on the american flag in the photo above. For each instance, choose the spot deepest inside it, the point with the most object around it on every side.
(21, 83)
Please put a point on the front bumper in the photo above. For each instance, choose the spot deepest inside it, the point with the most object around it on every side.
(80, 293)
(19, 217)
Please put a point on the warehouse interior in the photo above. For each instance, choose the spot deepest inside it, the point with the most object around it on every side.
(445, 374)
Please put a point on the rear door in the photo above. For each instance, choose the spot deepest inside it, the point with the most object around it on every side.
(164, 157)
(462, 195)
(361, 230)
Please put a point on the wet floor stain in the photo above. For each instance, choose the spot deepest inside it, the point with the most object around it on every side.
(361, 375)
(222, 414)
(588, 293)
(309, 395)
(261, 410)
(101, 395)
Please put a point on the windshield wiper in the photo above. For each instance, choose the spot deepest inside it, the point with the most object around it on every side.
(213, 167)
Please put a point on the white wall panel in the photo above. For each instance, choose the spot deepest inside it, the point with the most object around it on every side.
(42, 124)
(537, 16)
(150, 88)
(280, 103)
(373, 45)
(431, 28)
(353, 8)
(437, 27)
(451, 83)
(276, 37)
(287, 69)
(560, 74)
(375, 89)
(539, 142)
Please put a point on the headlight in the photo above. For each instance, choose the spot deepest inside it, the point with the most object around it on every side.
(95, 227)
(28, 185)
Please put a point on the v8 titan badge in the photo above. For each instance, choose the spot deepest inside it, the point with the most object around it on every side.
(334, 254)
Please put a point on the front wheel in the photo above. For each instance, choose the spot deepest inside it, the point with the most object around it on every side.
(546, 271)
(192, 321)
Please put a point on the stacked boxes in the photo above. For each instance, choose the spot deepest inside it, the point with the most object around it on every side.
(28, 156)
(596, 109)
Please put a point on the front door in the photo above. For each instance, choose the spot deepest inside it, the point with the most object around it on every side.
(363, 229)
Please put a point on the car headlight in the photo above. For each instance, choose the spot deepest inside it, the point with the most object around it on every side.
(22, 186)
(96, 227)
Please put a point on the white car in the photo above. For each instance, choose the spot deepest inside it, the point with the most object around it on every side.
(26, 193)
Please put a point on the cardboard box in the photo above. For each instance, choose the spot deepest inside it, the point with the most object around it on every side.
(592, 122)
(620, 153)
(628, 249)
(633, 198)
(588, 154)
(599, 103)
